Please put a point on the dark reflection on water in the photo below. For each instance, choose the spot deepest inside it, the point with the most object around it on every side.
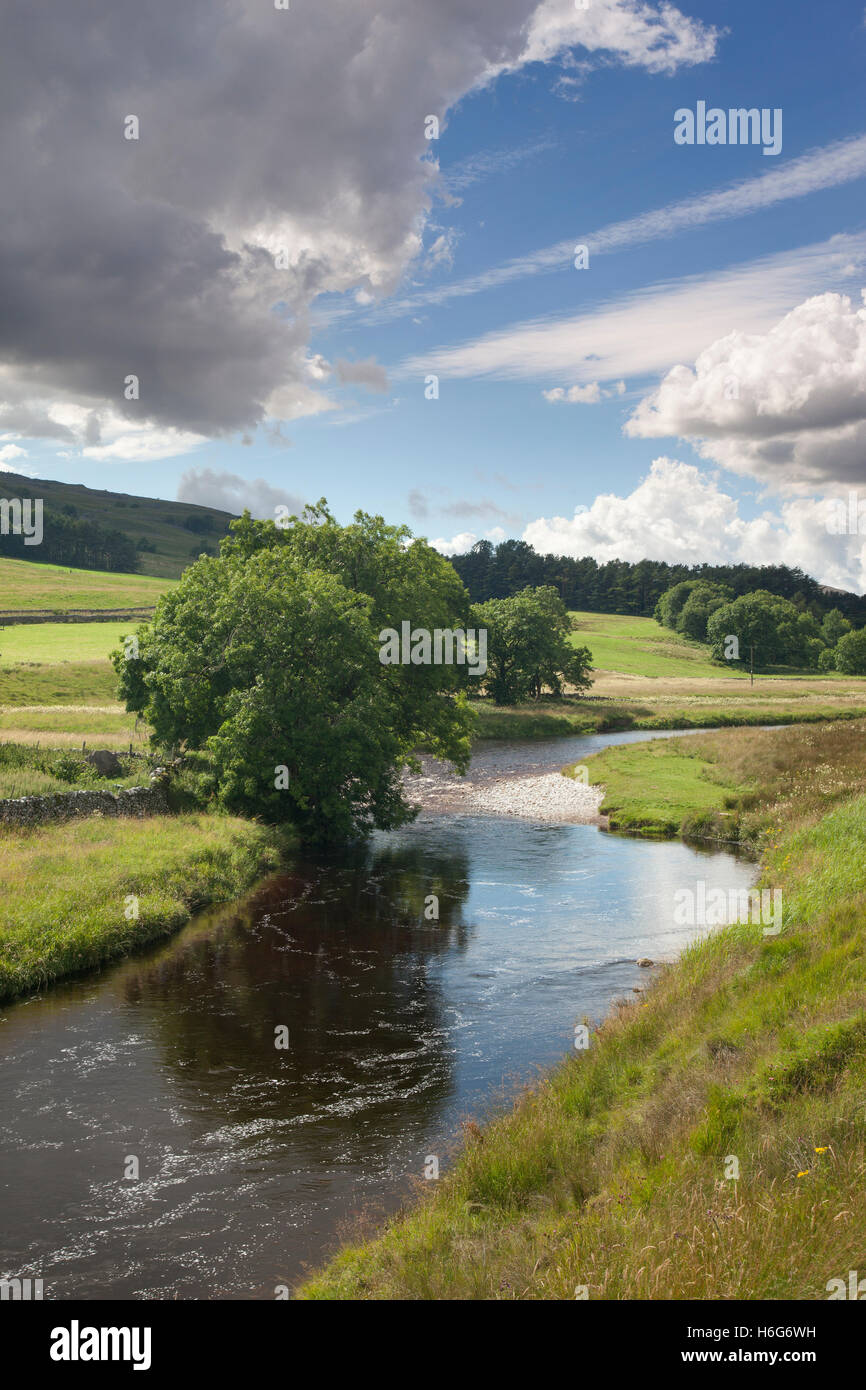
(250, 1156)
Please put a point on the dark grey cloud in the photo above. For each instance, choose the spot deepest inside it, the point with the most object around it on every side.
(290, 134)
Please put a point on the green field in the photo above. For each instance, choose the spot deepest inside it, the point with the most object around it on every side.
(642, 647)
(52, 644)
(26, 586)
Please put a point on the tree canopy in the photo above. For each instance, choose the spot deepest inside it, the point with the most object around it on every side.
(268, 656)
(529, 648)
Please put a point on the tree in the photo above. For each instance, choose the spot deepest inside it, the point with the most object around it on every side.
(269, 658)
(769, 630)
(698, 608)
(851, 653)
(833, 627)
(529, 646)
(672, 602)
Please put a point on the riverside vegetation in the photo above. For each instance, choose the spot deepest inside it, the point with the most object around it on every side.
(613, 1178)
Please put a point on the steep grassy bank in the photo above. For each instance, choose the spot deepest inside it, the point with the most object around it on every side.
(711, 1142)
(67, 888)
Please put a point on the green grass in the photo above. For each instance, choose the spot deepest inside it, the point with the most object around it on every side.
(66, 887)
(731, 785)
(614, 1174)
(642, 647)
(54, 643)
(159, 522)
(69, 683)
(26, 586)
(651, 787)
(28, 771)
(659, 710)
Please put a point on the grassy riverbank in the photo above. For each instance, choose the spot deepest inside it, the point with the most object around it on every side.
(733, 785)
(67, 887)
(616, 1174)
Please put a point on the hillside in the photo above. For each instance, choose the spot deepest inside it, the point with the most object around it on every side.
(31, 588)
(158, 523)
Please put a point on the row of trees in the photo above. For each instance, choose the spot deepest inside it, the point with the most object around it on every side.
(72, 540)
(619, 586)
(767, 630)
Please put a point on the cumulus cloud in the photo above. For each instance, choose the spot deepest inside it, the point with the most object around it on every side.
(463, 541)
(279, 158)
(638, 35)
(590, 394)
(679, 514)
(228, 492)
(787, 406)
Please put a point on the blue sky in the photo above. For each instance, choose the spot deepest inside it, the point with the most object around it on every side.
(545, 155)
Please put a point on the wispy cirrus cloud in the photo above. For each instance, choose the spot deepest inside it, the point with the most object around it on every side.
(651, 330)
(828, 167)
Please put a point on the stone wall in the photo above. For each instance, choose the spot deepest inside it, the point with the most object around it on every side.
(129, 801)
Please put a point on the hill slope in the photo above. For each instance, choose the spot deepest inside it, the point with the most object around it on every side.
(157, 522)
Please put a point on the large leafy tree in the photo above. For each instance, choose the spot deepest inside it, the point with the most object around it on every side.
(529, 648)
(770, 631)
(851, 653)
(269, 657)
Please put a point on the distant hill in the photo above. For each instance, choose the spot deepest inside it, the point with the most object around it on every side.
(167, 535)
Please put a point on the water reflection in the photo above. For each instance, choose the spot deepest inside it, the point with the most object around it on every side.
(250, 1156)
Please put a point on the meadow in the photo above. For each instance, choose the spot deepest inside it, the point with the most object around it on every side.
(27, 587)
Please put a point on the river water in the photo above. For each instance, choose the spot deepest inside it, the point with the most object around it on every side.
(253, 1160)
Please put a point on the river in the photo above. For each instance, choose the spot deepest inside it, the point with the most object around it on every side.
(253, 1160)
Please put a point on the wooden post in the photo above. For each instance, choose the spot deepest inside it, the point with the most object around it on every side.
(752, 664)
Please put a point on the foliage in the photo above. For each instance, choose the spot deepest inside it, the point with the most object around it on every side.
(851, 653)
(528, 647)
(620, 586)
(773, 628)
(269, 657)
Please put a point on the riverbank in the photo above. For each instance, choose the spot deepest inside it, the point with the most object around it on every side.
(711, 1141)
(80, 894)
(671, 705)
(733, 786)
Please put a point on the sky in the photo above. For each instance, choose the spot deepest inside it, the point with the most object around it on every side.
(468, 265)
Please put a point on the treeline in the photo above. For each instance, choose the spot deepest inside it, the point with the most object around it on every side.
(74, 541)
(619, 586)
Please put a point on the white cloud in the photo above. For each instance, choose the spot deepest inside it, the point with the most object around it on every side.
(650, 330)
(8, 452)
(787, 406)
(458, 545)
(638, 35)
(680, 515)
(590, 394)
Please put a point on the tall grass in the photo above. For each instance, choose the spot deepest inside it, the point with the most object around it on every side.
(68, 890)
